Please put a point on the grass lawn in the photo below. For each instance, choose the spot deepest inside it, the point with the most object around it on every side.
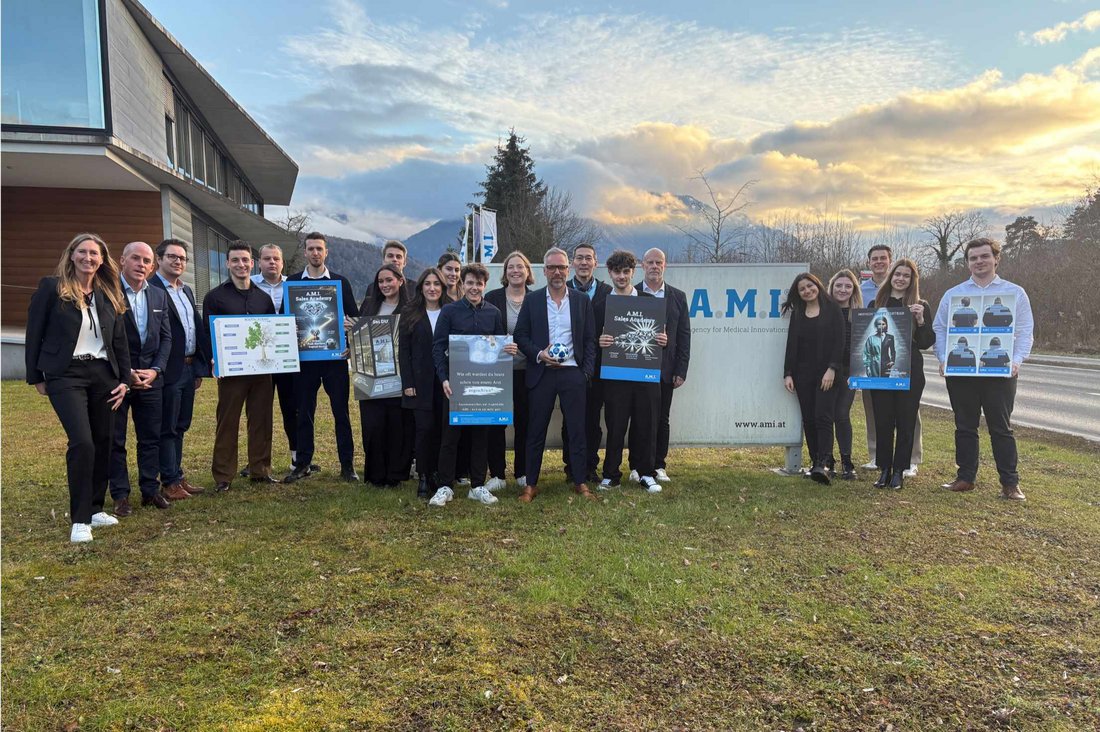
(737, 599)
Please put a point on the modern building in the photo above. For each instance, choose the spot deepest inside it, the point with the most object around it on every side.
(110, 126)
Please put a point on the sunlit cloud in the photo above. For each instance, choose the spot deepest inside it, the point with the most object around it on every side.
(1088, 22)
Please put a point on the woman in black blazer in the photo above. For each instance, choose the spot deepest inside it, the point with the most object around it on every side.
(387, 441)
(517, 278)
(422, 392)
(896, 411)
(815, 351)
(77, 355)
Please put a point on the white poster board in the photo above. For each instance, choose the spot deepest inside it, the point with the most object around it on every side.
(246, 345)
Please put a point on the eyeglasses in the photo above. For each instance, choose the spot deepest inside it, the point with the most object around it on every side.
(557, 267)
(176, 257)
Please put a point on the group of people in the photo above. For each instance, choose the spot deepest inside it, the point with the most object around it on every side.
(816, 368)
(108, 339)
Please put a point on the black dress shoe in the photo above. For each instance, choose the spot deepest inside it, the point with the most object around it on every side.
(818, 474)
(883, 478)
(157, 499)
(297, 474)
(849, 472)
(266, 479)
(245, 473)
(222, 486)
(348, 474)
(424, 489)
(897, 480)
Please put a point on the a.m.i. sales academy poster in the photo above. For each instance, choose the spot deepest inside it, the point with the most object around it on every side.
(318, 310)
(634, 323)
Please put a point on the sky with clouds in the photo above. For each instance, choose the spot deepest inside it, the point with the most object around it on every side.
(888, 113)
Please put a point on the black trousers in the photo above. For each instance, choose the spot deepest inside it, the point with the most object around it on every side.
(896, 423)
(970, 397)
(498, 439)
(147, 406)
(660, 455)
(387, 448)
(478, 436)
(428, 429)
(288, 407)
(177, 407)
(634, 405)
(333, 375)
(817, 413)
(567, 385)
(79, 397)
(842, 415)
(593, 432)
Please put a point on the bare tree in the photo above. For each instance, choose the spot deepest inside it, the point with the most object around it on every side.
(949, 231)
(296, 223)
(720, 236)
(567, 229)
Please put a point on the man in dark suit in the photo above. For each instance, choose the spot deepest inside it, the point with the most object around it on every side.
(557, 314)
(187, 365)
(584, 280)
(149, 337)
(333, 375)
(674, 365)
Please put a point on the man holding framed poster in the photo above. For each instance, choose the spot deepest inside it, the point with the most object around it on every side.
(323, 304)
(629, 361)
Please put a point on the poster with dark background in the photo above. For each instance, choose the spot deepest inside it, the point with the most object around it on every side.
(634, 323)
(881, 339)
(480, 377)
(374, 357)
(318, 310)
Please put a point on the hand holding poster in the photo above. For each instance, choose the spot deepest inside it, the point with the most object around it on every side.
(993, 336)
(374, 357)
(318, 310)
(634, 323)
(246, 345)
(480, 377)
(880, 358)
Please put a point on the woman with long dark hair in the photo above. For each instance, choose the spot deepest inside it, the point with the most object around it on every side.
(387, 446)
(450, 266)
(421, 390)
(844, 290)
(815, 343)
(896, 411)
(77, 355)
(517, 278)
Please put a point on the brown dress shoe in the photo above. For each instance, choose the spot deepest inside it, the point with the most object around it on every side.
(1012, 493)
(959, 486)
(529, 493)
(582, 490)
(175, 492)
(192, 489)
(157, 499)
(123, 508)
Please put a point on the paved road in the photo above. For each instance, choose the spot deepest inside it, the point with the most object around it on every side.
(1057, 398)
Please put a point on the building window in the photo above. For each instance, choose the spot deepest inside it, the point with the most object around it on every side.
(52, 64)
(170, 140)
(197, 166)
(211, 163)
(183, 141)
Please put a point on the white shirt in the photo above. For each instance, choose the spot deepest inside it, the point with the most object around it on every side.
(89, 339)
(387, 308)
(275, 292)
(1024, 326)
(433, 318)
(324, 275)
(655, 293)
(561, 325)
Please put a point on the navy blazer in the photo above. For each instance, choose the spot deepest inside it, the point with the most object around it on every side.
(200, 366)
(414, 359)
(533, 332)
(153, 354)
(678, 329)
(53, 325)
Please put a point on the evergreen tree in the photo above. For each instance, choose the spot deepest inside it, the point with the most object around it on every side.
(512, 188)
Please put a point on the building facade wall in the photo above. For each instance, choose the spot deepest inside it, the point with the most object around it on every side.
(177, 225)
(137, 84)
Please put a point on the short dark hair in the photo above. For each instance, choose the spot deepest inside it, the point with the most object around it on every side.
(880, 248)
(394, 244)
(162, 248)
(477, 269)
(317, 236)
(982, 241)
(620, 259)
(239, 246)
(584, 245)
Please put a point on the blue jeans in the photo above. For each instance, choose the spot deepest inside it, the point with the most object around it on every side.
(178, 405)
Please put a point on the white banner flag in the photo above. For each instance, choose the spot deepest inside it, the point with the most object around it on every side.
(488, 238)
(465, 238)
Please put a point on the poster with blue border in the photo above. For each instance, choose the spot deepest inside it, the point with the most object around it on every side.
(881, 341)
(480, 376)
(634, 323)
(318, 310)
(247, 345)
(981, 333)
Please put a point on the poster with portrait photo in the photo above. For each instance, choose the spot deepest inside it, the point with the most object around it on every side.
(962, 355)
(374, 357)
(880, 358)
(995, 359)
(963, 314)
(998, 314)
(480, 377)
(634, 323)
(971, 349)
(318, 310)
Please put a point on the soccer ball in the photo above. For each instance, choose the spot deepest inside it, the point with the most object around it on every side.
(558, 352)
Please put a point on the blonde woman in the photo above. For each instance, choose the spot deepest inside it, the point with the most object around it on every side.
(844, 289)
(77, 355)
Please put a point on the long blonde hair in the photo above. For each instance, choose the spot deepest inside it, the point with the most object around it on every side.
(856, 300)
(106, 278)
(912, 293)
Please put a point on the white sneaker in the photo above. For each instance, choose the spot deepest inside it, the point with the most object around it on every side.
(910, 473)
(521, 481)
(650, 485)
(662, 476)
(463, 481)
(481, 494)
(870, 466)
(605, 485)
(495, 484)
(634, 477)
(103, 519)
(80, 533)
(442, 497)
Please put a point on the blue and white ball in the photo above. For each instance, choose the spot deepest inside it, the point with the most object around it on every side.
(559, 352)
